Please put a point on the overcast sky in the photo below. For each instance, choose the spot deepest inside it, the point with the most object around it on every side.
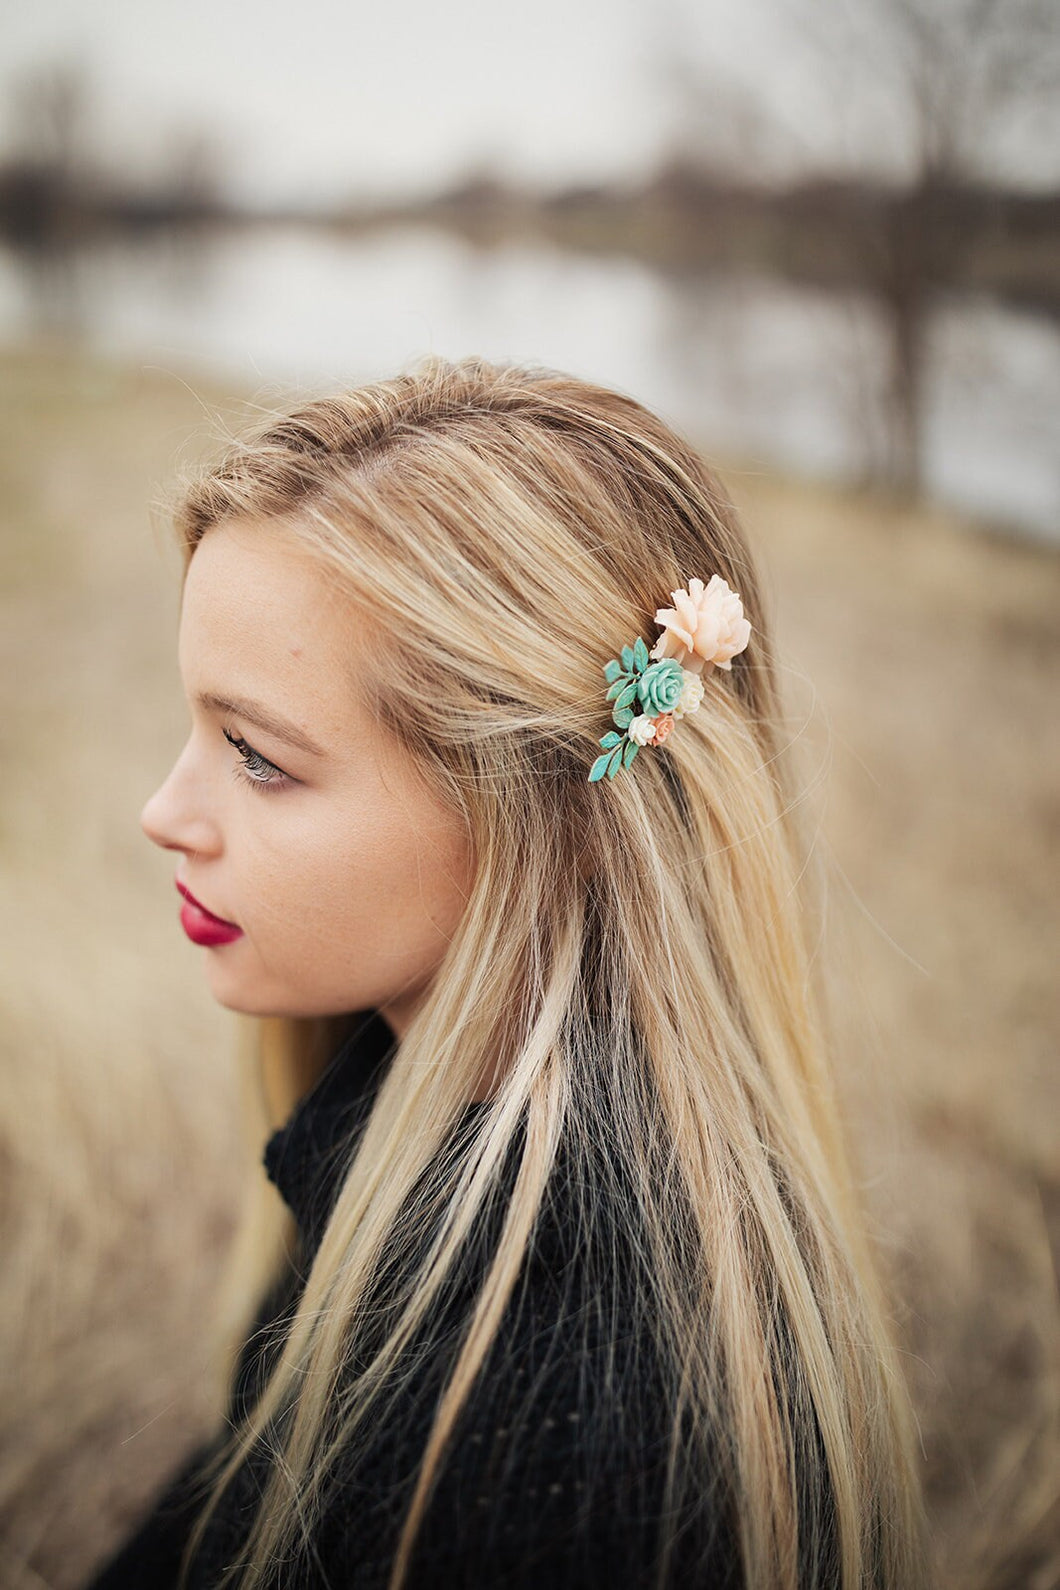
(336, 98)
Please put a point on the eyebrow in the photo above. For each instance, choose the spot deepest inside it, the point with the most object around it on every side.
(261, 717)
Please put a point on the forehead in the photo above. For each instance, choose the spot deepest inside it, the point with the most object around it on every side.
(240, 566)
(260, 618)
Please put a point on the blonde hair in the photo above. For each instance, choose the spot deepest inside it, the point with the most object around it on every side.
(633, 968)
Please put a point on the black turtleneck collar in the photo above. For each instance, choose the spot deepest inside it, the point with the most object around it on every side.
(306, 1157)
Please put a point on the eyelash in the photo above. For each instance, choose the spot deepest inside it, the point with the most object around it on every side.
(254, 760)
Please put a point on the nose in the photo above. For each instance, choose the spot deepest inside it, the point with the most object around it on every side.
(177, 815)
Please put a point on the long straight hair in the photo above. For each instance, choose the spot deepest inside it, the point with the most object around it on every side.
(633, 967)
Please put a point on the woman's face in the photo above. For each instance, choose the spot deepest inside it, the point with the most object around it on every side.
(312, 833)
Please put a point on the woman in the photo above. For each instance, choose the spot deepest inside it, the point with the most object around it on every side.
(579, 1293)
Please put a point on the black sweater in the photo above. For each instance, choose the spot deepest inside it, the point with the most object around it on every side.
(555, 1477)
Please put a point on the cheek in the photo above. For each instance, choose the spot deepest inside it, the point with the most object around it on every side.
(388, 885)
(401, 880)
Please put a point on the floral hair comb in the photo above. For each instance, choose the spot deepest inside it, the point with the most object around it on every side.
(703, 630)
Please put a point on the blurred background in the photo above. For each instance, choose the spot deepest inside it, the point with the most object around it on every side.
(822, 240)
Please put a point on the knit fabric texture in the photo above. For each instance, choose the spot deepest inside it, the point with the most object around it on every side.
(555, 1477)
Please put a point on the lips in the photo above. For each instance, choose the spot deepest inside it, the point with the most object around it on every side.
(201, 926)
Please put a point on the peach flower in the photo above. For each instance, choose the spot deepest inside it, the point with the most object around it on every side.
(663, 724)
(704, 628)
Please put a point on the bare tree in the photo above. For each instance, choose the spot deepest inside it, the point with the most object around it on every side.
(718, 121)
(938, 84)
(51, 114)
(918, 93)
(49, 172)
(947, 78)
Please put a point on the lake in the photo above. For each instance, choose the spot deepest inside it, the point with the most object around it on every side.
(753, 368)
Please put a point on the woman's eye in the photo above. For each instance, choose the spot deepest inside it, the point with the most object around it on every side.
(255, 769)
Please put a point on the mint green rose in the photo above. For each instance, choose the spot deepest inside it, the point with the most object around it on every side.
(660, 686)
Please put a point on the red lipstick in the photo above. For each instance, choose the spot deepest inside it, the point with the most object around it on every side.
(201, 926)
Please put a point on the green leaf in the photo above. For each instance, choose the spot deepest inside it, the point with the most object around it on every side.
(630, 752)
(616, 762)
(623, 716)
(617, 688)
(627, 658)
(627, 694)
(612, 669)
(640, 654)
(610, 739)
(599, 767)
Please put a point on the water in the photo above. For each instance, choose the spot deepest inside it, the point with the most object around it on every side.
(749, 366)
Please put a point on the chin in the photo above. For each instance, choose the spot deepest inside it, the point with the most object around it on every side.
(242, 1007)
(228, 992)
(294, 1009)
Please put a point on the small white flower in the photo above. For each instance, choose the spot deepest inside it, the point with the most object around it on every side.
(642, 729)
(691, 695)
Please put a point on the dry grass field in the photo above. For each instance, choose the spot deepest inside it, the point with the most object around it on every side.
(922, 663)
